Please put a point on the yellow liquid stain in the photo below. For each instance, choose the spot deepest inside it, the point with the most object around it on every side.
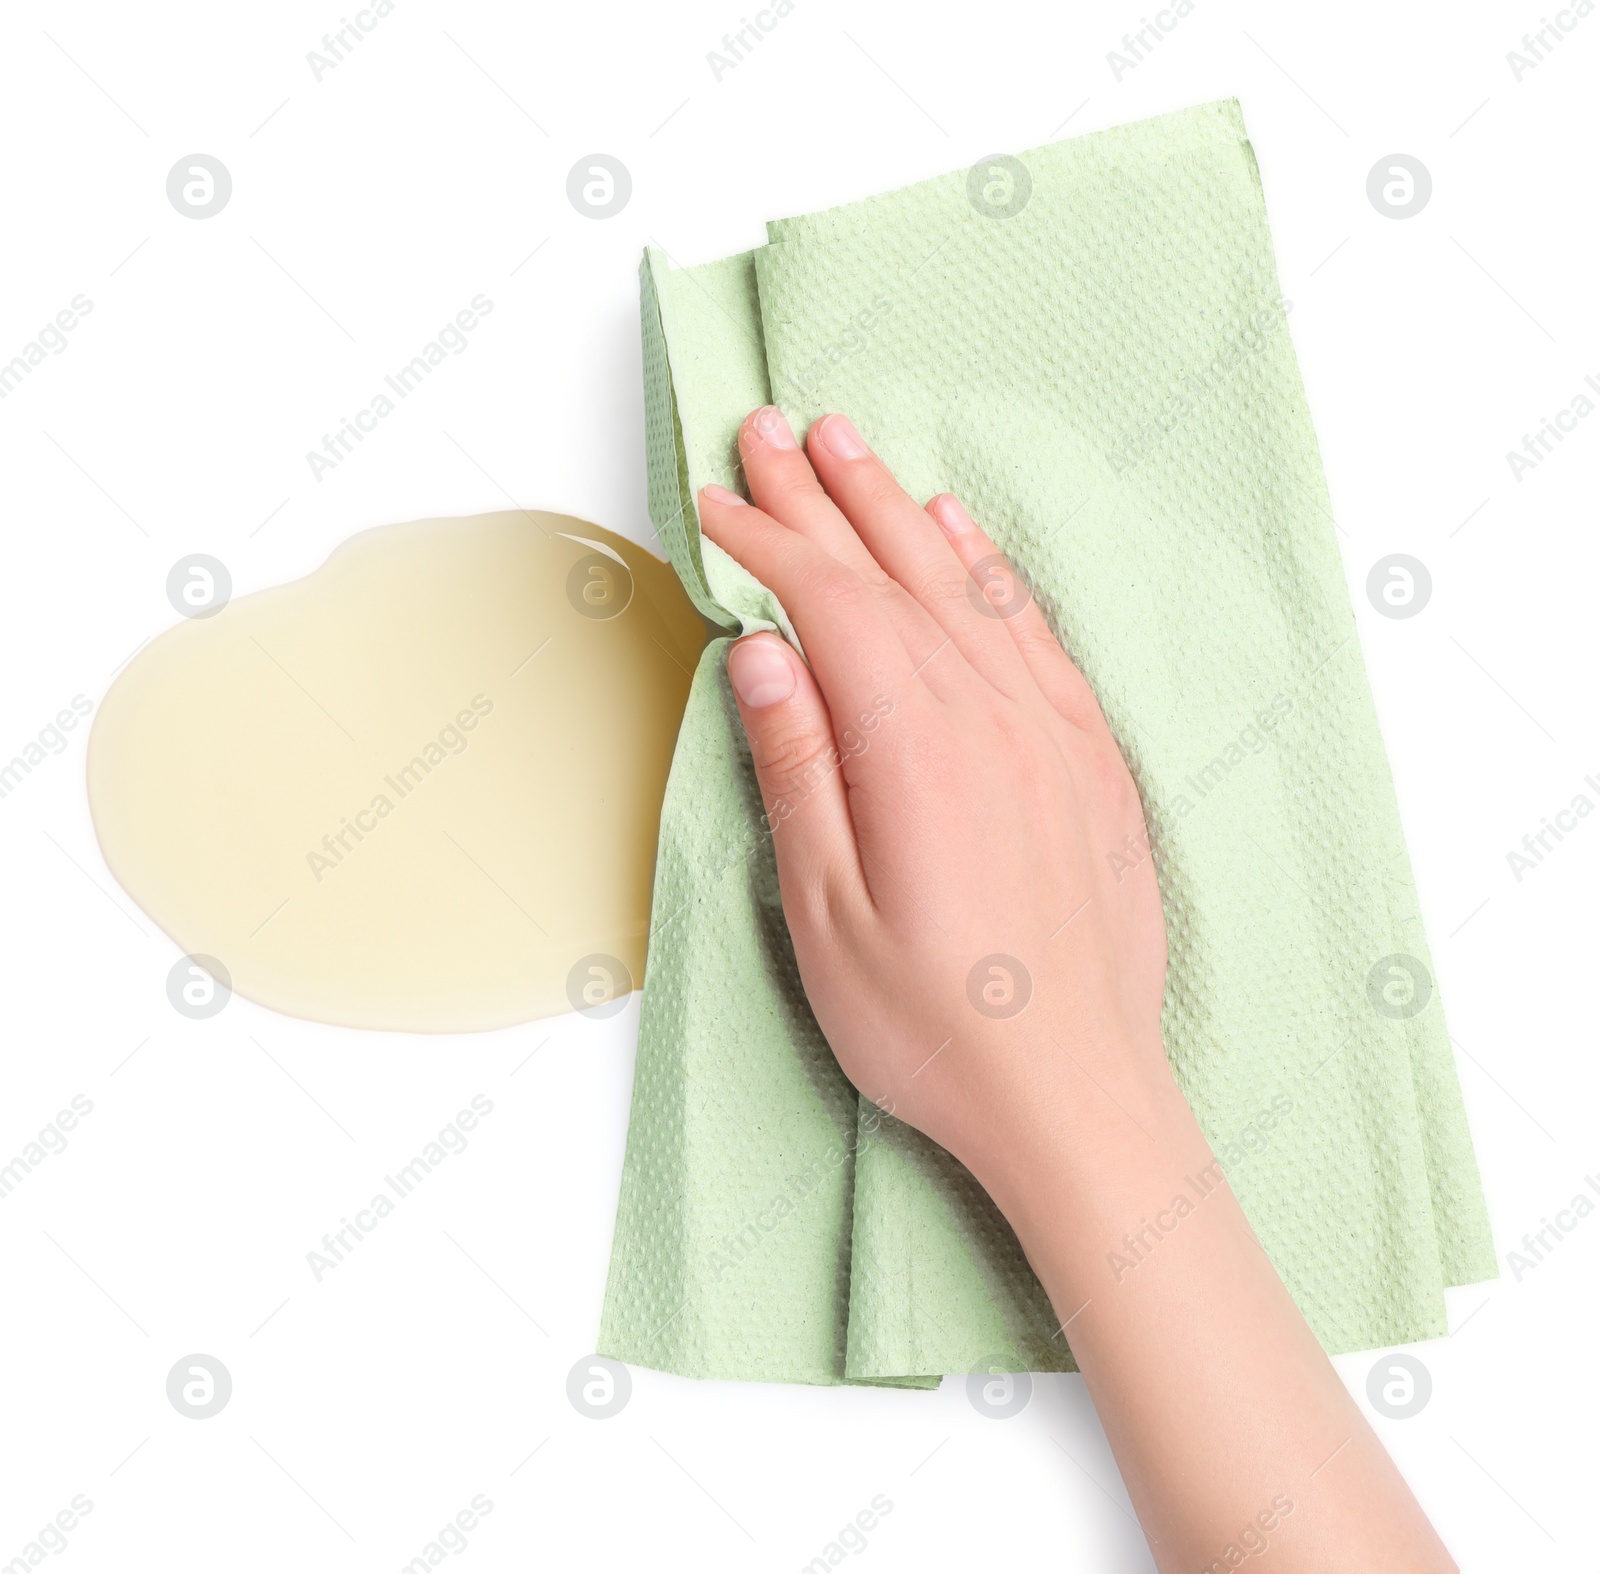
(418, 788)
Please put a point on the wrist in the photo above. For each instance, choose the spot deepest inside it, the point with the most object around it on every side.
(1111, 1133)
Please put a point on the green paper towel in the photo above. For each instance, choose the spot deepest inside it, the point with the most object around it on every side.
(1089, 347)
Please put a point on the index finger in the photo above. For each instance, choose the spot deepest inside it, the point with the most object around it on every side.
(850, 644)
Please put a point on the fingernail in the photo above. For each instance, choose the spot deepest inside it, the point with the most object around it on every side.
(720, 494)
(951, 516)
(772, 428)
(841, 438)
(760, 672)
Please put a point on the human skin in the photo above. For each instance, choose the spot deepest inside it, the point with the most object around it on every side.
(947, 802)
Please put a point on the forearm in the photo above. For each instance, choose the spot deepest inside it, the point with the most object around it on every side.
(1228, 1422)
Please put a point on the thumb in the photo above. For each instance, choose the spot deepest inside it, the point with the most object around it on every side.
(798, 765)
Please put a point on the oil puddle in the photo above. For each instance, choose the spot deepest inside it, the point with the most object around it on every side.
(418, 789)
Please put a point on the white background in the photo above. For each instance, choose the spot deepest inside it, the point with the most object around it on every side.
(368, 207)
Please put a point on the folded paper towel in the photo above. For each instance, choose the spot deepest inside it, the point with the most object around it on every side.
(1088, 345)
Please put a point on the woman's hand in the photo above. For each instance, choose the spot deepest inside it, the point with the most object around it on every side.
(962, 852)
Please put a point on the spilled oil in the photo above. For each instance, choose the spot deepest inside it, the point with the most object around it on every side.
(418, 789)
